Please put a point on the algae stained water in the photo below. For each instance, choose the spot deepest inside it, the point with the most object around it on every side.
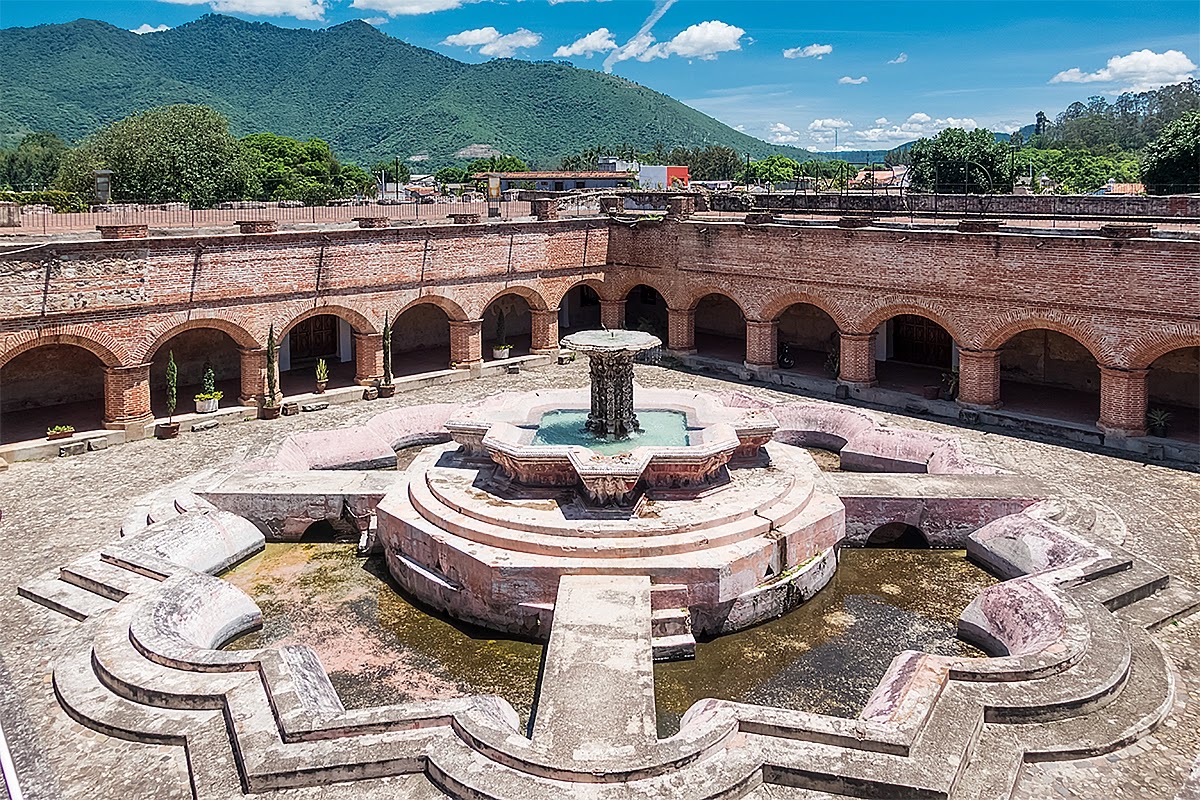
(377, 646)
(828, 655)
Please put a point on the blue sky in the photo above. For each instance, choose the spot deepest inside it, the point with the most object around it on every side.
(876, 73)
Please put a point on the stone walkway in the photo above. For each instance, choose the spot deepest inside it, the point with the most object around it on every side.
(57, 510)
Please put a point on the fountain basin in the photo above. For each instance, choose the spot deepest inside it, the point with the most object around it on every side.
(508, 434)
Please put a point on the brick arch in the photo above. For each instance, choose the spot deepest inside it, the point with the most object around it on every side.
(775, 307)
(626, 287)
(1005, 330)
(160, 334)
(454, 311)
(358, 322)
(1151, 348)
(696, 295)
(595, 284)
(102, 345)
(532, 297)
(884, 313)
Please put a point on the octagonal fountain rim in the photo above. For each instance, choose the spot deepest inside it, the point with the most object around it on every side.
(610, 340)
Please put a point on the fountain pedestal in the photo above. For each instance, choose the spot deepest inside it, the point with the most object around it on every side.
(610, 354)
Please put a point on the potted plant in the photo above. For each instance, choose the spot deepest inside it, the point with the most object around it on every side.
(209, 398)
(60, 432)
(1158, 421)
(270, 406)
(500, 347)
(950, 385)
(322, 375)
(170, 428)
(386, 387)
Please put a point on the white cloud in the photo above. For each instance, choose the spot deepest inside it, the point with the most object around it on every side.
(703, 40)
(640, 41)
(146, 27)
(817, 51)
(900, 59)
(404, 8)
(779, 133)
(493, 43)
(1139, 71)
(740, 128)
(376, 21)
(829, 124)
(881, 121)
(852, 81)
(300, 9)
(917, 125)
(598, 41)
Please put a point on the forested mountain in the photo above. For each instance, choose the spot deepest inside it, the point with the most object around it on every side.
(370, 95)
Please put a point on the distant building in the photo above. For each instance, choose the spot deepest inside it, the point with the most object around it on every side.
(649, 176)
(896, 177)
(1112, 187)
(561, 181)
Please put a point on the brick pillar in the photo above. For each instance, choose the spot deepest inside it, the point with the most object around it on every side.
(612, 314)
(126, 395)
(857, 358)
(681, 330)
(545, 208)
(254, 375)
(1123, 398)
(761, 341)
(681, 206)
(978, 378)
(543, 331)
(466, 342)
(368, 358)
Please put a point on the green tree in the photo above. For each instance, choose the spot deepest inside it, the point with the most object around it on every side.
(957, 160)
(181, 152)
(353, 179)
(1171, 163)
(34, 163)
(291, 169)
(451, 175)
(772, 169)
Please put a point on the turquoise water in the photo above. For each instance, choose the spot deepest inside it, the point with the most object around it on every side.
(659, 429)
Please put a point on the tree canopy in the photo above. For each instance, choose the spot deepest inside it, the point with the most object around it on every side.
(1171, 164)
(34, 162)
(960, 161)
(180, 152)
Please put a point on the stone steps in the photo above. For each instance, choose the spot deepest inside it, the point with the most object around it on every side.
(1125, 587)
(674, 648)
(65, 598)
(670, 622)
(104, 579)
(668, 595)
(1162, 608)
(671, 632)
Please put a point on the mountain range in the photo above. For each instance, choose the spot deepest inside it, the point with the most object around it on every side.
(368, 94)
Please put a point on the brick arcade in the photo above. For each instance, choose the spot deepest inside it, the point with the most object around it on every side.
(1109, 323)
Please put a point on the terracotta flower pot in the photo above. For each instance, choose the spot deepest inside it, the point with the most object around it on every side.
(387, 389)
(269, 412)
(166, 430)
(59, 435)
(321, 387)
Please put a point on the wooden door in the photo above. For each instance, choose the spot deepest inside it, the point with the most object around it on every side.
(917, 340)
(315, 337)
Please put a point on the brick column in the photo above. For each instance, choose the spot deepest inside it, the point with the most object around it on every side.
(857, 359)
(254, 375)
(543, 331)
(612, 314)
(126, 395)
(466, 342)
(368, 358)
(681, 330)
(761, 343)
(1123, 398)
(978, 378)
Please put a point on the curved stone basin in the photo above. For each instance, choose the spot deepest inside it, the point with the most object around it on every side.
(717, 433)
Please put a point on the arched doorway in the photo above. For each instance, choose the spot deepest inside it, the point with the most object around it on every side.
(579, 310)
(420, 340)
(193, 350)
(1049, 374)
(915, 355)
(898, 535)
(515, 330)
(811, 339)
(646, 310)
(55, 384)
(720, 328)
(320, 336)
(1173, 395)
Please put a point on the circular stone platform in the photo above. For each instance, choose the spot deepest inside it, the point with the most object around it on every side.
(465, 534)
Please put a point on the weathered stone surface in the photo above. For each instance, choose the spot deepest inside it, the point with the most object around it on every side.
(99, 443)
(72, 449)
(319, 405)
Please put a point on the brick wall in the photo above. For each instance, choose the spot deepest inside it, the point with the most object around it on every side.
(1126, 301)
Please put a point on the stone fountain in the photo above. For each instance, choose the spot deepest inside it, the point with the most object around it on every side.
(610, 354)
